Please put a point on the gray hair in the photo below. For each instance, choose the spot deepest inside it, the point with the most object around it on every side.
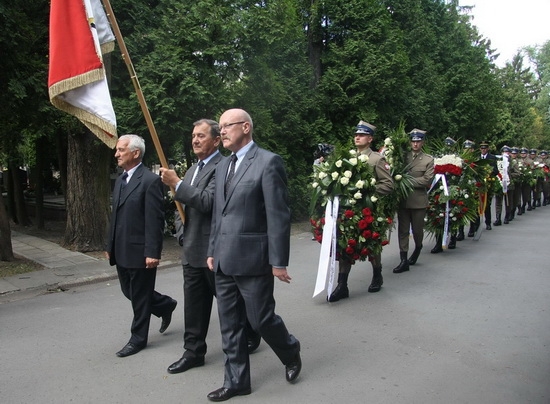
(135, 142)
(214, 127)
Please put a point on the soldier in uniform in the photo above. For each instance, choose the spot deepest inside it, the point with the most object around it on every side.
(536, 189)
(527, 162)
(412, 211)
(546, 180)
(364, 135)
(515, 201)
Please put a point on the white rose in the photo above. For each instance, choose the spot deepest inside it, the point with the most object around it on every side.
(373, 199)
(373, 181)
(353, 152)
(441, 187)
(334, 175)
(347, 173)
(454, 219)
(315, 184)
(363, 158)
(352, 201)
(344, 181)
(338, 163)
(353, 161)
(466, 196)
(358, 195)
(380, 219)
(324, 192)
(398, 177)
(322, 175)
(387, 141)
(360, 184)
(441, 215)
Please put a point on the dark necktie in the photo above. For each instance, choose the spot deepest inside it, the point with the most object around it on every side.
(123, 183)
(124, 178)
(231, 172)
(199, 168)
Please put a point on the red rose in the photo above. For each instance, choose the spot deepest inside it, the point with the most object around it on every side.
(369, 219)
(390, 220)
(366, 212)
(352, 242)
(364, 252)
(367, 234)
(313, 222)
(385, 242)
(323, 221)
(349, 250)
(376, 235)
(363, 224)
(348, 213)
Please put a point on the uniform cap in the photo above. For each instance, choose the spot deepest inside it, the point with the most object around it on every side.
(365, 128)
(417, 135)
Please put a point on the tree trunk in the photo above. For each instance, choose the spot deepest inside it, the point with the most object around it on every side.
(21, 215)
(6, 250)
(39, 183)
(88, 193)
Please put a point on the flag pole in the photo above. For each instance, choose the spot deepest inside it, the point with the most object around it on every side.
(139, 92)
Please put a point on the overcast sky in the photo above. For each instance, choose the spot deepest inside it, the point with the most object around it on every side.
(511, 24)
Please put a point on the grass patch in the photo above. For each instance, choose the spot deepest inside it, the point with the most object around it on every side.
(18, 266)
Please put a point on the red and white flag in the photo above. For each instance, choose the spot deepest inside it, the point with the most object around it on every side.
(79, 33)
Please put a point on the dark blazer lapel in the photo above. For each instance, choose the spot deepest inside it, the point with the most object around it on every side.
(211, 165)
(243, 167)
(135, 181)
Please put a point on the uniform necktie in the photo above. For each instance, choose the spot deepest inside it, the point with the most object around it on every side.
(199, 168)
(231, 172)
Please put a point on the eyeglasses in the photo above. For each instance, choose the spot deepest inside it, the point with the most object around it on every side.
(228, 125)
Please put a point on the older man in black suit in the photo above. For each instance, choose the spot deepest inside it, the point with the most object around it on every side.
(249, 247)
(134, 241)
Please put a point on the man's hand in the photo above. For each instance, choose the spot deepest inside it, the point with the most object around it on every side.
(151, 263)
(282, 274)
(210, 263)
(169, 177)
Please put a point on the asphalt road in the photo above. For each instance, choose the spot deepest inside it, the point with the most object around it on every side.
(465, 326)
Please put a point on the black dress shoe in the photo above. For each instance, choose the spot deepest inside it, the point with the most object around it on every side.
(460, 236)
(129, 349)
(185, 363)
(254, 343)
(488, 227)
(437, 249)
(223, 394)
(293, 369)
(498, 222)
(167, 319)
(471, 233)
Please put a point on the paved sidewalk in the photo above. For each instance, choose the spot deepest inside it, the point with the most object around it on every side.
(62, 268)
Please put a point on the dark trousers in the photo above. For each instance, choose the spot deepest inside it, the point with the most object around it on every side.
(138, 285)
(198, 291)
(239, 298)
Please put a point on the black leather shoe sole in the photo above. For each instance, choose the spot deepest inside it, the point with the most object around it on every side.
(223, 394)
(129, 349)
(185, 364)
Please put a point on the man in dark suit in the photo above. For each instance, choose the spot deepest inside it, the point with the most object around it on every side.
(196, 192)
(412, 211)
(134, 241)
(249, 247)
